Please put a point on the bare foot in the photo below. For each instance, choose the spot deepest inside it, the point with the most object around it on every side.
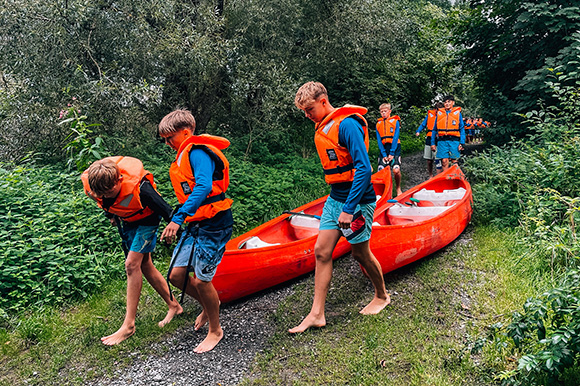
(309, 321)
(399, 192)
(119, 336)
(375, 306)
(176, 310)
(200, 321)
(210, 341)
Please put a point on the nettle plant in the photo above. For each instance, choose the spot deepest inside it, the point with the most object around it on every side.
(547, 332)
(544, 338)
(81, 149)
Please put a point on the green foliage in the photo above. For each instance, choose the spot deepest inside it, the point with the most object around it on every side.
(236, 67)
(545, 335)
(536, 182)
(264, 192)
(55, 245)
(81, 151)
(509, 46)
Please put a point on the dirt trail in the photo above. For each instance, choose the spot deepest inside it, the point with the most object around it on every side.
(245, 325)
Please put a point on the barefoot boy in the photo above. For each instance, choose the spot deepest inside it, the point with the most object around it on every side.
(448, 135)
(200, 178)
(126, 192)
(388, 129)
(342, 141)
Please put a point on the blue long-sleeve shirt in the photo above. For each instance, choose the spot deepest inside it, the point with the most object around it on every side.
(360, 191)
(423, 125)
(461, 130)
(394, 144)
(203, 167)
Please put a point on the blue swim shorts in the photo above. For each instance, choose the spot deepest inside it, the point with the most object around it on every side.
(332, 210)
(448, 149)
(205, 248)
(140, 238)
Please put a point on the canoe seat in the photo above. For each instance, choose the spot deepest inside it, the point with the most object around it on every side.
(445, 198)
(255, 242)
(304, 227)
(399, 215)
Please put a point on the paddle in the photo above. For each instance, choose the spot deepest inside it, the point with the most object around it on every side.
(302, 214)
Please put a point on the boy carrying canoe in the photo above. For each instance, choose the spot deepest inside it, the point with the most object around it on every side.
(342, 141)
(200, 178)
(388, 130)
(127, 193)
(448, 135)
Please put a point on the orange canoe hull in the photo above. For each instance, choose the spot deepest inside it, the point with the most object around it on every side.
(397, 245)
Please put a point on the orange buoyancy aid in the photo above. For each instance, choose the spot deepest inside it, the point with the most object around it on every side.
(336, 160)
(448, 124)
(431, 115)
(127, 204)
(183, 180)
(386, 128)
(469, 123)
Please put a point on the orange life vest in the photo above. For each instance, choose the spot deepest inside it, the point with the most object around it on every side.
(431, 114)
(183, 180)
(127, 204)
(336, 160)
(386, 128)
(469, 123)
(448, 124)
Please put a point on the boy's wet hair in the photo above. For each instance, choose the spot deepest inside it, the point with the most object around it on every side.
(103, 175)
(308, 93)
(449, 98)
(386, 106)
(175, 121)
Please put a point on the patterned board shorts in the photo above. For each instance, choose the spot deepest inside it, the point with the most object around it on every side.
(201, 250)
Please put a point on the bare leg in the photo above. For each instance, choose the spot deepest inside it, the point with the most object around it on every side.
(445, 163)
(430, 167)
(323, 249)
(397, 173)
(211, 308)
(176, 278)
(134, 284)
(158, 282)
(362, 254)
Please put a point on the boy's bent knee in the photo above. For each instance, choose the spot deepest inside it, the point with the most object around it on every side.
(323, 256)
(176, 277)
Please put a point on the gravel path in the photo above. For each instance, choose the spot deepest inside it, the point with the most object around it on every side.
(246, 331)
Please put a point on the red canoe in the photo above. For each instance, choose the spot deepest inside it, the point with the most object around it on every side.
(440, 210)
(281, 249)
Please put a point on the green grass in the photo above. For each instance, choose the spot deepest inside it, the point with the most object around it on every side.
(55, 346)
(440, 305)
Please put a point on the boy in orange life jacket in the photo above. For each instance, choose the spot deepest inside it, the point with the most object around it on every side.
(200, 178)
(388, 129)
(448, 132)
(127, 194)
(428, 123)
(341, 140)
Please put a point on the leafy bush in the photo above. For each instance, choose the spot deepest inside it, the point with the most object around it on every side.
(263, 192)
(56, 245)
(547, 333)
(536, 181)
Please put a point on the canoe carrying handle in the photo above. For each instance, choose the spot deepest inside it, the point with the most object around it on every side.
(301, 214)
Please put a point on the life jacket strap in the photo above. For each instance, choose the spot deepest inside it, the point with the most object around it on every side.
(212, 199)
(340, 169)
